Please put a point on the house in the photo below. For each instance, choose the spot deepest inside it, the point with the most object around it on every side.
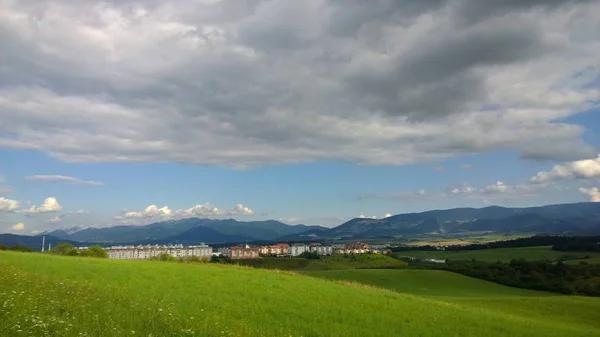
(244, 252)
(276, 249)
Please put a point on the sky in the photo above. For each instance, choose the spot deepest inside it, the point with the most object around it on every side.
(312, 112)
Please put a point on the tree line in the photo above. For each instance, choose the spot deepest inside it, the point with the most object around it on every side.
(67, 249)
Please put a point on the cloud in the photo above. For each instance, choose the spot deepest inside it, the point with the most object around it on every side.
(154, 213)
(466, 166)
(50, 205)
(240, 209)
(244, 84)
(580, 169)
(4, 188)
(497, 190)
(18, 227)
(387, 215)
(61, 217)
(66, 179)
(592, 193)
(8, 205)
(440, 169)
(150, 212)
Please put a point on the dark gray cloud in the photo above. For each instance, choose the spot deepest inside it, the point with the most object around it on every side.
(245, 83)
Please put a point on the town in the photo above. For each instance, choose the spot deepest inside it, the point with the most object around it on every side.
(204, 251)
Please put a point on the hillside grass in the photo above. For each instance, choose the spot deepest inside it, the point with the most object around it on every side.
(593, 260)
(43, 295)
(467, 292)
(500, 254)
(357, 261)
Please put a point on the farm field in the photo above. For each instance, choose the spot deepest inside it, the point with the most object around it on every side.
(465, 291)
(46, 295)
(499, 254)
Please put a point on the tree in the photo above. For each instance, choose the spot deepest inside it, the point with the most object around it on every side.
(95, 251)
(164, 257)
(65, 249)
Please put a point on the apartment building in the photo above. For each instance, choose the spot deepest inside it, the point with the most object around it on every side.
(244, 252)
(149, 251)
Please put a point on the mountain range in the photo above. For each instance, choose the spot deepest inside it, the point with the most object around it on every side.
(580, 218)
(186, 230)
(576, 218)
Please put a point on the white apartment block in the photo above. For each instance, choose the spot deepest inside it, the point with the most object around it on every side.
(322, 250)
(146, 252)
(298, 248)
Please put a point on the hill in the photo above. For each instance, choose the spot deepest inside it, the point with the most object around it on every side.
(578, 218)
(97, 297)
(198, 234)
(247, 230)
(35, 242)
(464, 291)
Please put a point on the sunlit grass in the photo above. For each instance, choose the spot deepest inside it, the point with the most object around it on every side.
(73, 296)
(468, 292)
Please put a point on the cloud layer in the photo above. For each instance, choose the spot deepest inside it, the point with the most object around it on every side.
(61, 178)
(263, 82)
(154, 213)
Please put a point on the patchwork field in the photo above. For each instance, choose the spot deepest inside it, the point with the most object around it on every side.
(43, 295)
(499, 254)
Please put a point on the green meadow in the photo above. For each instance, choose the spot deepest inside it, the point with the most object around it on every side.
(467, 292)
(358, 261)
(500, 254)
(43, 295)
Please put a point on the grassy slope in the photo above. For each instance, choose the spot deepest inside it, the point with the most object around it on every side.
(593, 260)
(68, 296)
(499, 254)
(327, 263)
(465, 291)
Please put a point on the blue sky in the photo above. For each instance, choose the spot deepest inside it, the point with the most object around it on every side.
(152, 113)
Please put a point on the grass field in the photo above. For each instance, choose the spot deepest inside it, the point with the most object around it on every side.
(465, 291)
(593, 260)
(499, 254)
(43, 295)
(362, 261)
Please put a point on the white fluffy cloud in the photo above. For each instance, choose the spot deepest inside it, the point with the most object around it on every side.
(61, 178)
(154, 213)
(255, 83)
(151, 211)
(592, 193)
(580, 169)
(49, 205)
(240, 209)
(18, 227)
(8, 205)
